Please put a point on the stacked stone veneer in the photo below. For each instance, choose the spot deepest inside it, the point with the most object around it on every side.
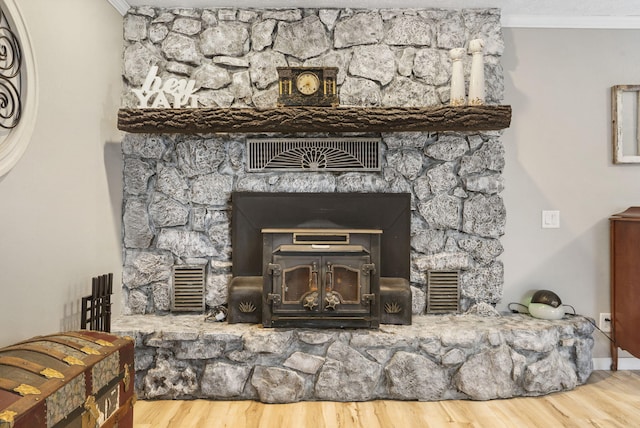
(176, 211)
(437, 358)
(177, 187)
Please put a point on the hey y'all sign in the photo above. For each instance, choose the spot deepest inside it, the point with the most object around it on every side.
(169, 93)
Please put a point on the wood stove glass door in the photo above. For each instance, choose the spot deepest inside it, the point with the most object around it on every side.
(347, 281)
(297, 284)
(322, 284)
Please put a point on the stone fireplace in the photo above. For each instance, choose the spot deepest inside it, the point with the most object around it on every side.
(177, 211)
(178, 186)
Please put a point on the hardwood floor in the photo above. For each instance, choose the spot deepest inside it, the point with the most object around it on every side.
(608, 399)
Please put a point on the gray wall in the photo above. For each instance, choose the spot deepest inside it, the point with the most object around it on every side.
(60, 205)
(60, 212)
(558, 157)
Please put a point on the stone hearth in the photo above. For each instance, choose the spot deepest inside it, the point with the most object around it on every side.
(437, 358)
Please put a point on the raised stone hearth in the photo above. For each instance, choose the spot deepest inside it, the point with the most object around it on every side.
(437, 358)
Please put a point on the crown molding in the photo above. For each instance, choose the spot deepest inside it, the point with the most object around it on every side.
(620, 22)
(565, 21)
(121, 6)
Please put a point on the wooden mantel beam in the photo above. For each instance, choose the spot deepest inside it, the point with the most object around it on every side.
(314, 119)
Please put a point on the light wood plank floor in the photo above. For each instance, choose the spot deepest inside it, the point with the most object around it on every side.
(608, 399)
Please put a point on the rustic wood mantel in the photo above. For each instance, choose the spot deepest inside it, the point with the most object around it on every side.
(314, 119)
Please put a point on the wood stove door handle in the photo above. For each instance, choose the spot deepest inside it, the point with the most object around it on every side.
(276, 299)
(314, 277)
(368, 268)
(329, 279)
(275, 269)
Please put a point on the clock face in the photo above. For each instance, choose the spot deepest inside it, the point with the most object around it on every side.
(307, 86)
(308, 83)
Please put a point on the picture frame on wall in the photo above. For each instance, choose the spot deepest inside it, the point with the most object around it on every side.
(625, 118)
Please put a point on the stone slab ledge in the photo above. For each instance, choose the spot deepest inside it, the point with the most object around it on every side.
(438, 357)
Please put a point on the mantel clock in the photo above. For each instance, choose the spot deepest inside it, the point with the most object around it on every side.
(307, 86)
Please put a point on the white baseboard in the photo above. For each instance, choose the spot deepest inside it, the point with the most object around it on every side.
(623, 363)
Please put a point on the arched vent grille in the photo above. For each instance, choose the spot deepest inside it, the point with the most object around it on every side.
(313, 154)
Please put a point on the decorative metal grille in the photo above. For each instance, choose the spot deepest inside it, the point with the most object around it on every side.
(313, 154)
(10, 75)
(188, 289)
(443, 292)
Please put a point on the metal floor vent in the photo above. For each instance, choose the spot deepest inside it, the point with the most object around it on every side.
(443, 292)
(188, 289)
(313, 154)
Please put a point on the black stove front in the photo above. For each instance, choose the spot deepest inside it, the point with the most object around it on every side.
(321, 278)
(323, 260)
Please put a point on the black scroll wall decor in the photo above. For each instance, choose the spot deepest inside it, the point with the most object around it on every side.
(10, 75)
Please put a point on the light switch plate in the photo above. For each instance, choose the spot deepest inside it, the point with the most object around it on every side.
(550, 219)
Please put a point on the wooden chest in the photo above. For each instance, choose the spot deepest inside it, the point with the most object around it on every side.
(74, 379)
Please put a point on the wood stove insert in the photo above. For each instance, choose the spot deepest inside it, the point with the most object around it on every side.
(320, 259)
(324, 277)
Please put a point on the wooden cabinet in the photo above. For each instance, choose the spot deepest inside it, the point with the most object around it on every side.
(625, 283)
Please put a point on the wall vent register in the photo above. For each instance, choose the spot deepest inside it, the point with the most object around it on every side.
(443, 291)
(313, 154)
(188, 289)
